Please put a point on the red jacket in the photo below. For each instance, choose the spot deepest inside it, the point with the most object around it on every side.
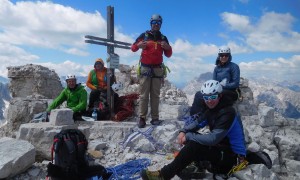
(153, 53)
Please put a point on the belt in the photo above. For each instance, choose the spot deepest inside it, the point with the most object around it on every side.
(151, 65)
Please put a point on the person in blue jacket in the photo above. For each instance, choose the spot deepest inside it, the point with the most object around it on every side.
(223, 145)
(226, 72)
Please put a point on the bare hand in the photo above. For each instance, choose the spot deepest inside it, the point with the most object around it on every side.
(165, 45)
(142, 44)
(181, 138)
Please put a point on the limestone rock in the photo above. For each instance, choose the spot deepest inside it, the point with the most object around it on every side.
(16, 156)
(33, 79)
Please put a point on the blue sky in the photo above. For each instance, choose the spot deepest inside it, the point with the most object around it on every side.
(264, 36)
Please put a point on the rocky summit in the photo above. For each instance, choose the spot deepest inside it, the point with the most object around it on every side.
(25, 146)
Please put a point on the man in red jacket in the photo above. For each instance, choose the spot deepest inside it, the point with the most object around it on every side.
(153, 44)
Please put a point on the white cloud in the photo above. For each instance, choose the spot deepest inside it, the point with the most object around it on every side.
(72, 68)
(273, 31)
(48, 25)
(13, 56)
(194, 51)
(237, 22)
(279, 69)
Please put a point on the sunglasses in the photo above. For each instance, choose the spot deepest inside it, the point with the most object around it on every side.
(156, 22)
(222, 55)
(212, 97)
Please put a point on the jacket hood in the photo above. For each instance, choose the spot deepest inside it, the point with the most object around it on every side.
(218, 60)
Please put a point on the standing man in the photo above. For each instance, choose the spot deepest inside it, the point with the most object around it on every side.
(153, 44)
(75, 95)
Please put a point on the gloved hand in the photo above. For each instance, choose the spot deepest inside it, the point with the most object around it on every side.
(223, 82)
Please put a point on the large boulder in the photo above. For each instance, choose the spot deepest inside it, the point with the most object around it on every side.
(15, 156)
(32, 88)
(33, 79)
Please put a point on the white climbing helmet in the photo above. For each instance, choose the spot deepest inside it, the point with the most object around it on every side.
(117, 87)
(224, 50)
(156, 17)
(70, 77)
(211, 87)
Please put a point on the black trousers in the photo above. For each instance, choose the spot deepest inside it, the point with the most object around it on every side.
(95, 98)
(194, 151)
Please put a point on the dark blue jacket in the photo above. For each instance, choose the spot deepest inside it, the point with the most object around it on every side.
(230, 71)
(226, 129)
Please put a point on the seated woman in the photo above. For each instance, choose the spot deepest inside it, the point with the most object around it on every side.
(97, 82)
(227, 73)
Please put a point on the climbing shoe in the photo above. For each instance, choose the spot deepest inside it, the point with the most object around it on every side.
(259, 157)
(156, 122)
(142, 123)
(151, 175)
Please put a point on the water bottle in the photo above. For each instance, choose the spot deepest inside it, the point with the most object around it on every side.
(94, 114)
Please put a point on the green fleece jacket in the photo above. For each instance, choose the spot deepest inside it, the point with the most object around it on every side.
(76, 99)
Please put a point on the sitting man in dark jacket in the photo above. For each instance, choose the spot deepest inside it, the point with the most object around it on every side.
(222, 146)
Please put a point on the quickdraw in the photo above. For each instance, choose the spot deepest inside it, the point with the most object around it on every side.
(242, 165)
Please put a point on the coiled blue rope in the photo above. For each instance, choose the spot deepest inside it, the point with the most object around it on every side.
(129, 170)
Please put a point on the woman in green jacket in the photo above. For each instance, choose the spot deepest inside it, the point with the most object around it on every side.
(75, 95)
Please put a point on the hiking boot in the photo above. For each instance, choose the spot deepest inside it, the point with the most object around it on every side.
(142, 123)
(151, 175)
(156, 122)
(192, 172)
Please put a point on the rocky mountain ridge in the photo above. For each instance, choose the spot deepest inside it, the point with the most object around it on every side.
(284, 96)
(4, 99)
(264, 130)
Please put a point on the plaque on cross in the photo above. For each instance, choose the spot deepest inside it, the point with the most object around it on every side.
(113, 59)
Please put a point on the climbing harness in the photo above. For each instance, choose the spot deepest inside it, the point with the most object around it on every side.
(127, 171)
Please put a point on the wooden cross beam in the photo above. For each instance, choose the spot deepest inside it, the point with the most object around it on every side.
(111, 44)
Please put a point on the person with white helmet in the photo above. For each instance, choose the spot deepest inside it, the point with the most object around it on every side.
(75, 95)
(226, 72)
(222, 146)
(153, 44)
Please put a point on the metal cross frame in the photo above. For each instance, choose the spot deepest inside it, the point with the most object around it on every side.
(111, 44)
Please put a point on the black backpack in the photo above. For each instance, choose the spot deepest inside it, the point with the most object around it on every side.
(70, 158)
(69, 148)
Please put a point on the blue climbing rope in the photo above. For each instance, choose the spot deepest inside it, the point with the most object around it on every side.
(129, 170)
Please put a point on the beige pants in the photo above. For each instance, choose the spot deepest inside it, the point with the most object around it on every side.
(150, 86)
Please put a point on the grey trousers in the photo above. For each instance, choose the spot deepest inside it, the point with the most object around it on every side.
(150, 89)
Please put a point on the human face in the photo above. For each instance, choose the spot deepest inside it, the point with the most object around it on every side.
(71, 83)
(212, 101)
(155, 25)
(98, 66)
(223, 57)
